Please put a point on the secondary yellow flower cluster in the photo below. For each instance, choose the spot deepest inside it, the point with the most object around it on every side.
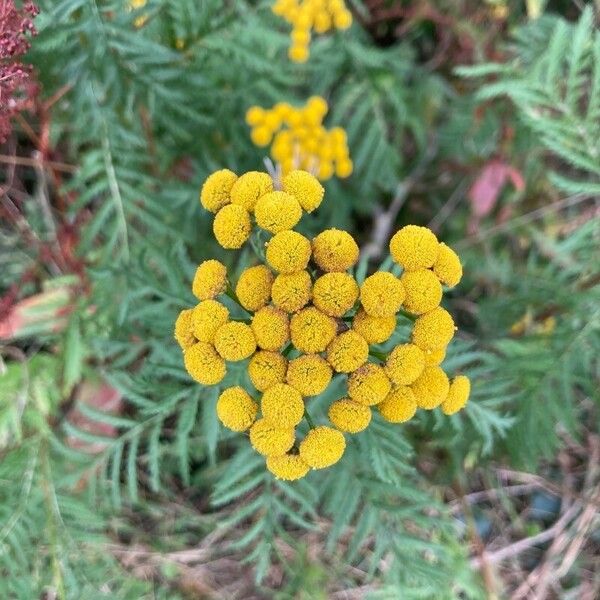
(299, 140)
(309, 320)
(307, 15)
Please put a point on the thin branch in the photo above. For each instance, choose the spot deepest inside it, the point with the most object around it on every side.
(384, 220)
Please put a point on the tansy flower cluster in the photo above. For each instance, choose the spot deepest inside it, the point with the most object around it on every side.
(307, 321)
(306, 16)
(299, 140)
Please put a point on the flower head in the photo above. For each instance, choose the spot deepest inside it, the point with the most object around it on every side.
(269, 440)
(433, 330)
(216, 191)
(235, 341)
(265, 369)
(310, 374)
(447, 266)
(414, 248)
(207, 317)
(305, 188)
(253, 288)
(349, 416)
(404, 364)
(271, 328)
(288, 467)
(249, 187)
(335, 293)
(382, 294)
(204, 364)
(232, 226)
(347, 352)
(335, 250)
(292, 292)
(183, 329)
(277, 211)
(288, 252)
(311, 330)
(210, 280)
(423, 291)
(431, 388)
(236, 409)
(434, 357)
(369, 385)
(322, 447)
(375, 330)
(458, 395)
(399, 406)
(282, 405)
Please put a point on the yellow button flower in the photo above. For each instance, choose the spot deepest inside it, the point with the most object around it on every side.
(375, 330)
(399, 406)
(271, 328)
(316, 108)
(249, 188)
(458, 395)
(414, 248)
(292, 292)
(253, 288)
(344, 168)
(347, 352)
(204, 364)
(277, 211)
(434, 357)
(423, 291)
(404, 364)
(232, 226)
(207, 317)
(269, 440)
(311, 330)
(369, 385)
(261, 136)
(288, 467)
(265, 369)
(236, 409)
(382, 294)
(235, 341)
(215, 192)
(447, 267)
(210, 280)
(342, 19)
(255, 116)
(322, 447)
(433, 330)
(310, 374)
(335, 250)
(282, 405)
(183, 329)
(431, 388)
(349, 416)
(288, 252)
(298, 53)
(305, 188)
(335, 293)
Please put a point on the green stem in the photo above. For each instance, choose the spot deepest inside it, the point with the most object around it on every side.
(380, 355)
(308, 418)
(229, 292)
(407, 315)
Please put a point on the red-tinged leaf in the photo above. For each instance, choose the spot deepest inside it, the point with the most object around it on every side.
(102, 398)
(37, 315)
(485, 191)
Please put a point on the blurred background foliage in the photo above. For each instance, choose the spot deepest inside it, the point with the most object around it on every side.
(478, 119)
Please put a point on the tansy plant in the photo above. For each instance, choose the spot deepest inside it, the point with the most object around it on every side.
(306, 16)
(299, 140)
(309, 322)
